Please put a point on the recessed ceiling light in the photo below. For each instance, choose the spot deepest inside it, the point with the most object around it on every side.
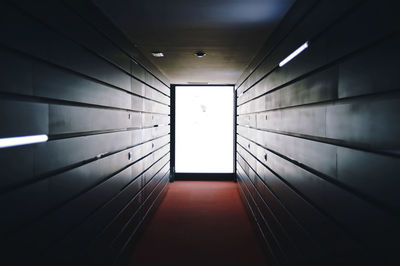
(200, 54)
(157, 54)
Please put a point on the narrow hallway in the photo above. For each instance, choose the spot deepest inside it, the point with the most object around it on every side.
(100, 99)
(199, 223)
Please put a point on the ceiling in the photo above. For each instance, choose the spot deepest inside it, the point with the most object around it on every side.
(231, 32)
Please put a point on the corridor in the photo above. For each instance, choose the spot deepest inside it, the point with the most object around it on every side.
(200, 223)
(93, 127)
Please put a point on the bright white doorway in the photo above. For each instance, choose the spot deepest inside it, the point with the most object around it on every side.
(204, 129)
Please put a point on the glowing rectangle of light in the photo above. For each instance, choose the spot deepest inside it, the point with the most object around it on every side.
(294, 54)
(204, 129)
(24, 140)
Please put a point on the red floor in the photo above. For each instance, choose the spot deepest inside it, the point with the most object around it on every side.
(199, 223)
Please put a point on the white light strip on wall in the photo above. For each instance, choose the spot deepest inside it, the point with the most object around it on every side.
(17, 141)
(294, 54)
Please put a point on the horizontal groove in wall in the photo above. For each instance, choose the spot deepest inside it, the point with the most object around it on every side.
(57, 241)
(60, 205)
(318, 69)
(33, 17)
(78, 82)
(97, 132)
(336, 142)
(327, 178)
(315, 244)
(38, 99)
(329, 195)
(252, 86)
(133, 198)
(330, 153)
(272, 49)
(247, 202)
(82, 163)
(259, 179)
(243, 187)
(114, 43)
(312, 39)
(278, 243)
(373, 95)
(112, 242)
(144, 216)
(98, 238)
(309, 201)
(156, 161)
(76, 73)
(292, 216)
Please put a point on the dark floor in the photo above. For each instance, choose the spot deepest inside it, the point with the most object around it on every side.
(200, 223)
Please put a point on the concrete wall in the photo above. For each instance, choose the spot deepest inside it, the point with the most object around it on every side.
(80, 197)
(317, 143)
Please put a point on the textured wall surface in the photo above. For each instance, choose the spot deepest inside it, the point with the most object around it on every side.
(317, 140)
(80, 197)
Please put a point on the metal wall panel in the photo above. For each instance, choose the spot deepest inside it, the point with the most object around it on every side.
(324, 144)
(68, 73)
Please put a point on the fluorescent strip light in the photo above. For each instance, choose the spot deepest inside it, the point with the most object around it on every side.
(294, 54)
(17, 141)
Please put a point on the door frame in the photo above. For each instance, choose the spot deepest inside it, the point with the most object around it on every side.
(200, 176)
